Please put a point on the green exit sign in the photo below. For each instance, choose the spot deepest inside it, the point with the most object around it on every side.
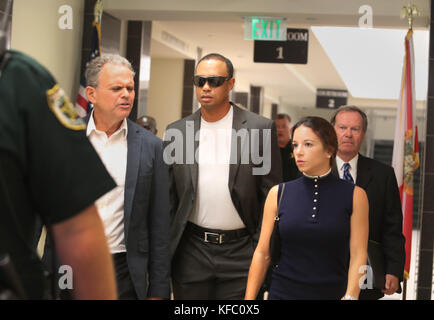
(265, 28)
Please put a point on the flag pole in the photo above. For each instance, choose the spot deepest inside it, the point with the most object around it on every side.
(409, 12)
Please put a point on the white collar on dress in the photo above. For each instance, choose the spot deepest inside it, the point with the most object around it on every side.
(316, 177)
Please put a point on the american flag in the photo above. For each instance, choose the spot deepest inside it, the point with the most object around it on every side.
(82, 105)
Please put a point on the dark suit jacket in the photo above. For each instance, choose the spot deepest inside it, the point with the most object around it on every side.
(146, 214)
(248, 191)
(385, 213)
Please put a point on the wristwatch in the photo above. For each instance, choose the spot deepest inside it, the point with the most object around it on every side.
(348, 297)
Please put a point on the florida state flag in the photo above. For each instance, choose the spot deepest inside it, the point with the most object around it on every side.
(406, 146)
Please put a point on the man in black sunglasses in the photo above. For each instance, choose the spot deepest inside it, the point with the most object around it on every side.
(216, 198)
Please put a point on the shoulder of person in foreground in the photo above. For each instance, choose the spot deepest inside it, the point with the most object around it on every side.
(57, 143)
(19, 60)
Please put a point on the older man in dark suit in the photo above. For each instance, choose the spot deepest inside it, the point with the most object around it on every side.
(379, 182)
(223, 161)
(136, 213)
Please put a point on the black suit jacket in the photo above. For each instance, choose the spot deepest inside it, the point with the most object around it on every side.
(248, 191)
(385, 213)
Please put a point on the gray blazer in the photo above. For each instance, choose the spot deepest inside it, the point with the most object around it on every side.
(146, 214)
(248, 191)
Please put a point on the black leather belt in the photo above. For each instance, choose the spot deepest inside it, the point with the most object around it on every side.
(216, 236)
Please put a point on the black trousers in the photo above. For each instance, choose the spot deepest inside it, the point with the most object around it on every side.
(124, 283)
(208, 271)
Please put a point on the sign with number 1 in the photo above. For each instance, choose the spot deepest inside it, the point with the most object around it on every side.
(293, 50)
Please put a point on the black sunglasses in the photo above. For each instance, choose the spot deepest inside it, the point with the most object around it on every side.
(213, 82)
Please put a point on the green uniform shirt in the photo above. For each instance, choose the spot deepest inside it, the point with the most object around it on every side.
(49, 168)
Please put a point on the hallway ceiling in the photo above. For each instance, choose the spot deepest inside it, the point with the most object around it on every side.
(219, 27)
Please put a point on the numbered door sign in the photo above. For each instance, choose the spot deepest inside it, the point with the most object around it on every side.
(293, 50)
(331, 98)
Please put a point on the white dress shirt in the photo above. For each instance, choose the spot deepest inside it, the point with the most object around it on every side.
(353, 167)
(113, 153)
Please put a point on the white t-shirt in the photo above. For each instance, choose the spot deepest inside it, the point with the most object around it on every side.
(214, 208)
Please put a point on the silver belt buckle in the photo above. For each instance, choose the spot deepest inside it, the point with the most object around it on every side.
(218, 237)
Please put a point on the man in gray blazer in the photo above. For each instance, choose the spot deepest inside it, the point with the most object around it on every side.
(136, 213)
(223, 161)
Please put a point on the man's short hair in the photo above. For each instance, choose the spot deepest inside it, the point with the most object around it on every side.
(351, 109)
(95, 66)
(281, 116)
(217, 56)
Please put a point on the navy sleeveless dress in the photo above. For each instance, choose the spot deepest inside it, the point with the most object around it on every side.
(314, 226)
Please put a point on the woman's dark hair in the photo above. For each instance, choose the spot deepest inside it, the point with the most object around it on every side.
(324, 130)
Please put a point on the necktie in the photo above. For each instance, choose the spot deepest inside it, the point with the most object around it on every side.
(347, 175)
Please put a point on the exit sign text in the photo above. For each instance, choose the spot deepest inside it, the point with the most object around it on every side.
(265, 28)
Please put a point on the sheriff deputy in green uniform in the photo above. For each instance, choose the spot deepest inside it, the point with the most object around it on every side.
(49, 168)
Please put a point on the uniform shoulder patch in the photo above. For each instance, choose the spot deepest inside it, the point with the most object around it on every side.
(62, 108)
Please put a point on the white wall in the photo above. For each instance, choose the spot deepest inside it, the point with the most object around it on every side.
(241, 84)
(165, 91)
(383, 124)
(35, 31)
(296, 113)
(123, 40)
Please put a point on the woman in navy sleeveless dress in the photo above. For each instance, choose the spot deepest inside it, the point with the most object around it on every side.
(323, 225)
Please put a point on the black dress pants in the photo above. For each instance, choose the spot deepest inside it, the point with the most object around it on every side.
(209, 271)
(124, 283)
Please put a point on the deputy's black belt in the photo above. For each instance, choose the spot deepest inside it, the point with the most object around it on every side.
(215, 236)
